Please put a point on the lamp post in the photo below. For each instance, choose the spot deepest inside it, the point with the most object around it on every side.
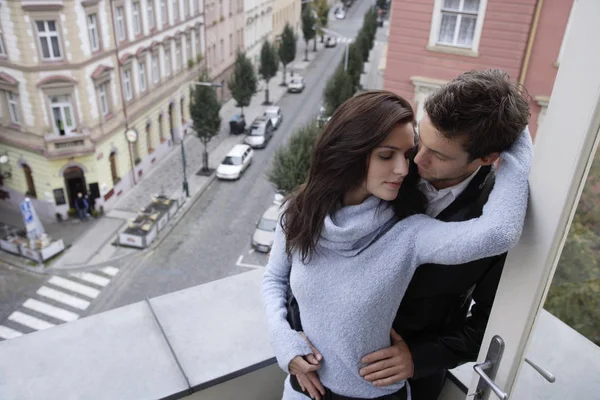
(186, 188)
(5, 172)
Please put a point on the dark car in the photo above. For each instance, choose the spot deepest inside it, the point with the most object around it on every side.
(237, 124)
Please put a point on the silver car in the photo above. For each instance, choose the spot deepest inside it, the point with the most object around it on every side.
(275, 114)
(263, 236)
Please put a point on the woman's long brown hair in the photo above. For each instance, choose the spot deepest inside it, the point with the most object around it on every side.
(340, 162)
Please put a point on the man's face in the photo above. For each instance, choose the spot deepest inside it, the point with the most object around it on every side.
(442, 162)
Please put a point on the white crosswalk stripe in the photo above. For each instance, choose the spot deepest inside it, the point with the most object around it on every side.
(112, 271)
(64, 298)
(52, 311)
(8, 333)
(74, 286)
(29, 321)
(92, 278)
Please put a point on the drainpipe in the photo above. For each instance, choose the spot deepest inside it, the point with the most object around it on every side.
(530, 41)
(116, 43)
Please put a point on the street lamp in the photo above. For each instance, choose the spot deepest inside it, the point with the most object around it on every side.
(186, 188)
(339, 35)
(5, 170)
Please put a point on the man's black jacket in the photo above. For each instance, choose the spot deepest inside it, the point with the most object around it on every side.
(432, 317)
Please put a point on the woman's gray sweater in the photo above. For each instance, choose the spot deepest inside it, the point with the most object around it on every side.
(349, 292)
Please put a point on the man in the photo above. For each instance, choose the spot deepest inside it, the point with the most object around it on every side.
(467, 124)
(81, 205)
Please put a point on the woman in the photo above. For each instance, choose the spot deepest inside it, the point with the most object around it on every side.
(348, 256)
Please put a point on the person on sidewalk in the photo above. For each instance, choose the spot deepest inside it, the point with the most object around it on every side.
(351, 238)
(82, 206)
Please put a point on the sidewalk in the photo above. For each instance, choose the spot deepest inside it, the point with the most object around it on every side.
(91, 242)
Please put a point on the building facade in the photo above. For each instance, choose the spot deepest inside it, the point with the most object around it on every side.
(259, 27)
(432, 41)
(75, 76)
(286, 11)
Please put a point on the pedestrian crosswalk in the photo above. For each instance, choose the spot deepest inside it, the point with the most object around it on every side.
(59, 300)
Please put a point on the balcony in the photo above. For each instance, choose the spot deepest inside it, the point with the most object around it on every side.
(68, 145)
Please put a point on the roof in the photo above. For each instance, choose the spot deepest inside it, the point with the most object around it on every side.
(272, 109)
(238, 150)
(261, 119)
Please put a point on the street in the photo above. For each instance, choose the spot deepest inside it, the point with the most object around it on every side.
(213, 240)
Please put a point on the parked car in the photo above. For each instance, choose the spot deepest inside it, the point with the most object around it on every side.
(275, 114)
(235, 162)
(322, 118)
(237, 124)
(263, 236)
(296, 85)
(330, 41)
(260, 132)
(340, 13)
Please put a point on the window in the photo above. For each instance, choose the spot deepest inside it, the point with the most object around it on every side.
(188, 47)
(186, 8)
(167, 62)
(149, 138)
(150, 13)
(103, 99)
(198, 42)
(29, 180)
(154, 65)
(127, 89)
(113, 167)
(121, 24)
(48, 37)
(175, 4)
(2, 49)
(62, 113)
(457, 23)
(222, 49)
(230, 43)
(161, 133)
(163, 12)
(142, 73)
(137, 23)
(178, 59)
(13, 107)
(93, 32)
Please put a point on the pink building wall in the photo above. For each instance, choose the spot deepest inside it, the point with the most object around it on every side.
(503, 43)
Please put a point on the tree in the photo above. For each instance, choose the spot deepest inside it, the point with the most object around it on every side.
(363, 42)
(308, 28)
(323, 16)
(355, 63)
(339, 88)
(381, 4)
(287, 48)
(268, 66)
(204, 111)
(243, 82)
(292, 162)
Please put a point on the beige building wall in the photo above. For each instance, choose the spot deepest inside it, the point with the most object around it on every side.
(286, 11)
(82, 82)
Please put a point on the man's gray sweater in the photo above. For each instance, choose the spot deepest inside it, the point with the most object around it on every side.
(349, 292)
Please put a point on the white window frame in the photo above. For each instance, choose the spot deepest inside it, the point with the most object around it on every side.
(121, 30)
(436, 22)
(566, 34)
(164, 13)
(150, 14)
(155, 69)
(142, 76)
(62, 106)
(103, 99)
(47, 35)
(137, 21)
(127, 85)
(13, 107)
(92, 20)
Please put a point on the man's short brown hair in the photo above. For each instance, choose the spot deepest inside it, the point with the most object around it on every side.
(484, 109)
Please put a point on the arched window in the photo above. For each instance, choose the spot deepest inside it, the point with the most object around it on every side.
(113, 167)
(149, 138)
(161, 129)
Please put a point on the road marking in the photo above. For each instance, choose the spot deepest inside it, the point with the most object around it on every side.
(112, 271)
(239, 263)
(74, 287)
(29, 321)
(8, 333)
(52, 311)
(61, 297)
(251, 251)
(92, 278)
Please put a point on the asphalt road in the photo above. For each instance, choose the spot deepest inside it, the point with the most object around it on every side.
(213, 240)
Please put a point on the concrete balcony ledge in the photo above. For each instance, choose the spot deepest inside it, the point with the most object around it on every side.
(216, 330)
(74, 144)
(72, 137)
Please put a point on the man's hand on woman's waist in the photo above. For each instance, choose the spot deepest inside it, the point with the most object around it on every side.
(388, 366)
